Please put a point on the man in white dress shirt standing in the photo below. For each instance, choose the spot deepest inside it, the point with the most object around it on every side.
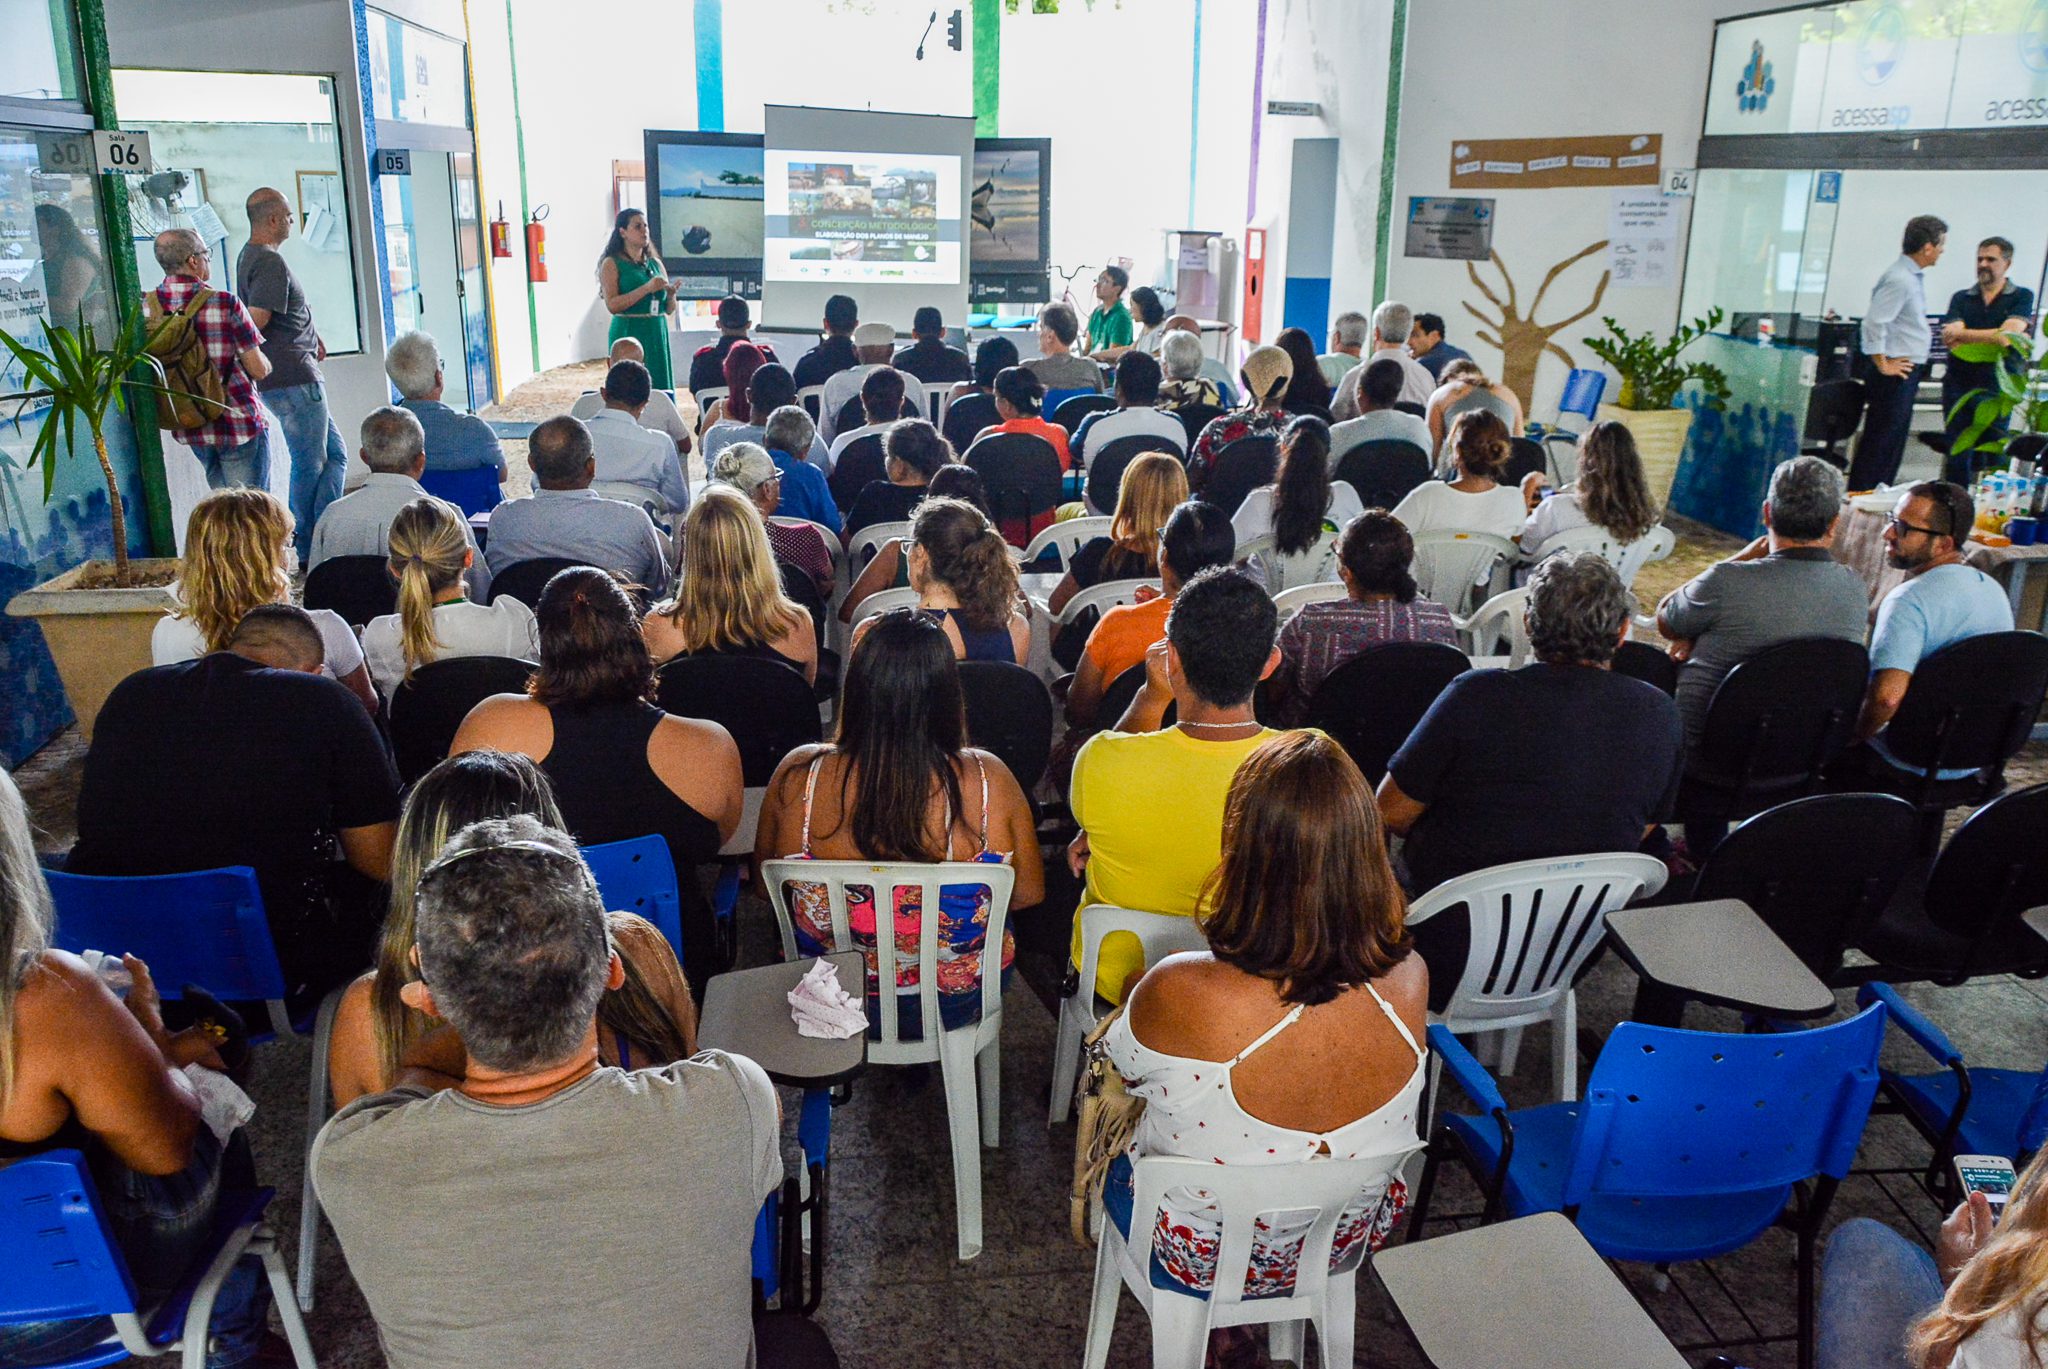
(1896, 339)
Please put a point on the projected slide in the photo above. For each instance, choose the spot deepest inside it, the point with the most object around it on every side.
(854, 217)
(710, 202)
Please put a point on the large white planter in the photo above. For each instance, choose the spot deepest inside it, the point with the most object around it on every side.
(1660, 440)
(98, 637)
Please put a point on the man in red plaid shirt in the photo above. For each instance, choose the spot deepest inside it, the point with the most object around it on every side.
(234, 448)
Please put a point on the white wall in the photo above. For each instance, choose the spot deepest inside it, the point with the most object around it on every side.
(1511, 69)
(310, 36)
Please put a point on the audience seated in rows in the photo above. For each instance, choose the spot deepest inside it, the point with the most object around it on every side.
(456, 441)
(359, 523)
(1375, 555)
(82, 1069)
(875, 344)
(1378, 388)
(566, 519)
(707, 364)
(632, 459)
(1609, 491)
(736, 374)
(834, 352)
(1136, 413)
(1783, 586)
(890, 566)
(1182, 384)
(769, 388)
(1306, 1012)
(899, 782)
(928, 359)
(1056, 365)
(1195, 537)
(436, 619)
(1941, 602)
(504, 1125)
(1471, 497)
(1153, 485)
(912, 453)
(620, 767)
(1562, 757)
(1308, 393)
(964, 421)
(1463, 385)
(966, 582)
(234, 560)
(1426, 344)
(247, 757)
(1302, 511)
(661, 413)
(1265, 373)
(729, 599)
(1150, 802)
(1347, 339)
(881, 404)
(1392, 325)
(788, 434)
(747, 467)
(1020, 400)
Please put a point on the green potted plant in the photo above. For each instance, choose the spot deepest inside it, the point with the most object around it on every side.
(96, 618)
(2018, 407)
(1651, 376)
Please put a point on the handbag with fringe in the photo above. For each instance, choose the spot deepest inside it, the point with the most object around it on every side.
(1108, 1117)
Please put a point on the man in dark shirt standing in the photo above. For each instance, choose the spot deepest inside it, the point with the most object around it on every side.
(1559, 758)
(295, 390)
(1990, 323)
(834, 353)
(707, 365)
(248, 757)
(928, 357)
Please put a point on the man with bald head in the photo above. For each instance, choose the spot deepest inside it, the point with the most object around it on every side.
(295, 390)
(233, 446)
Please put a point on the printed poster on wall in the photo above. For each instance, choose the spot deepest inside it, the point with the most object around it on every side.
(1642, 239)
(1543, 163)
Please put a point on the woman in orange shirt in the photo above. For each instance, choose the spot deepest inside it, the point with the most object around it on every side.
(1018, 392)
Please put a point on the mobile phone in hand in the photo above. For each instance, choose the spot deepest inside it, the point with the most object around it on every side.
(1990, 1175)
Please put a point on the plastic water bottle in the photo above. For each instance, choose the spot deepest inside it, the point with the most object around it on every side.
(2039, 503)
(111, 971)
(1766, 331)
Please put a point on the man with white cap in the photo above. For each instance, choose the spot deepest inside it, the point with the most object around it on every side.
(875, 345)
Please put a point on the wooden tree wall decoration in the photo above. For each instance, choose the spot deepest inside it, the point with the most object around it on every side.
(1523, 341)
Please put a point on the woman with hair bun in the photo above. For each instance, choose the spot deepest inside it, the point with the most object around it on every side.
(960, 567)
(435, 619)
(1472, 499)
(1381, 605)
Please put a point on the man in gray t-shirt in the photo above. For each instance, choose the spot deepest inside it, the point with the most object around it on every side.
(511, 1201)
(1781, 587)
(294, 390)
(1056, 367)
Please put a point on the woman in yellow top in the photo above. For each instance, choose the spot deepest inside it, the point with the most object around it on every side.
(638, 293)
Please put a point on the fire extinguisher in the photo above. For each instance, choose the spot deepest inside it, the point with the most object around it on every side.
(537, 246)
(501, 234)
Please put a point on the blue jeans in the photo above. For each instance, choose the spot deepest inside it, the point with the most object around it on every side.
(319, 457)
(1874, 1285)
(161, 1226)
(247, 465)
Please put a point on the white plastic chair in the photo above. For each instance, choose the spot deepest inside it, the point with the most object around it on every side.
(831, 540)
(1534, 924)
(707, 395)
(316, 1117)
(1181, 1322)
(882, 601)
(1065, 538)
(1499, 620)
(1316, 566)
(1289, 600)
(1451, 564)
(1627, 558)
(969, 1057)
(1159, 936)
(862, 547)
(1101, 598)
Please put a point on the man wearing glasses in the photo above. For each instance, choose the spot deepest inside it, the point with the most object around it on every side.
(234, 448)
(1941, 602)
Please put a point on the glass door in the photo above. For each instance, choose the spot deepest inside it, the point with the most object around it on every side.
(425, 289)
(472, 296)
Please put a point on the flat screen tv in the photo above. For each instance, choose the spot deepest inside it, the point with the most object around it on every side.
(704, 209)
(1009, 242)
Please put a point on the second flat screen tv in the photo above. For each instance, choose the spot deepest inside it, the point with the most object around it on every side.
(1009, 242)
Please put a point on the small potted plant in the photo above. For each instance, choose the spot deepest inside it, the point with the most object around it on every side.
(97, 617)
(1647, 403)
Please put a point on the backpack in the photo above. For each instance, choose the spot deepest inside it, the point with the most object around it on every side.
(193, 393)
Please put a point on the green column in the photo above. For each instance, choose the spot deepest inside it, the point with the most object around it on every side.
(1396, 55)
(149, 449)
(988, 80)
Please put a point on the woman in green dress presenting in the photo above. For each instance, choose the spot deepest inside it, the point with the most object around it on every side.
(637, 292)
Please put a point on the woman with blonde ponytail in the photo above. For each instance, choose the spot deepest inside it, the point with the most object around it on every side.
(435, 619)
(960, 567)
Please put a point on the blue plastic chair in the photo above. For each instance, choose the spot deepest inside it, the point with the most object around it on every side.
(1583, 388)
(1050, 404)
(778, 1252)
(1686, 1146)
(474, 489)
(1961, 1111)
(639, 876)
(60, 1262)
(206, 928)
